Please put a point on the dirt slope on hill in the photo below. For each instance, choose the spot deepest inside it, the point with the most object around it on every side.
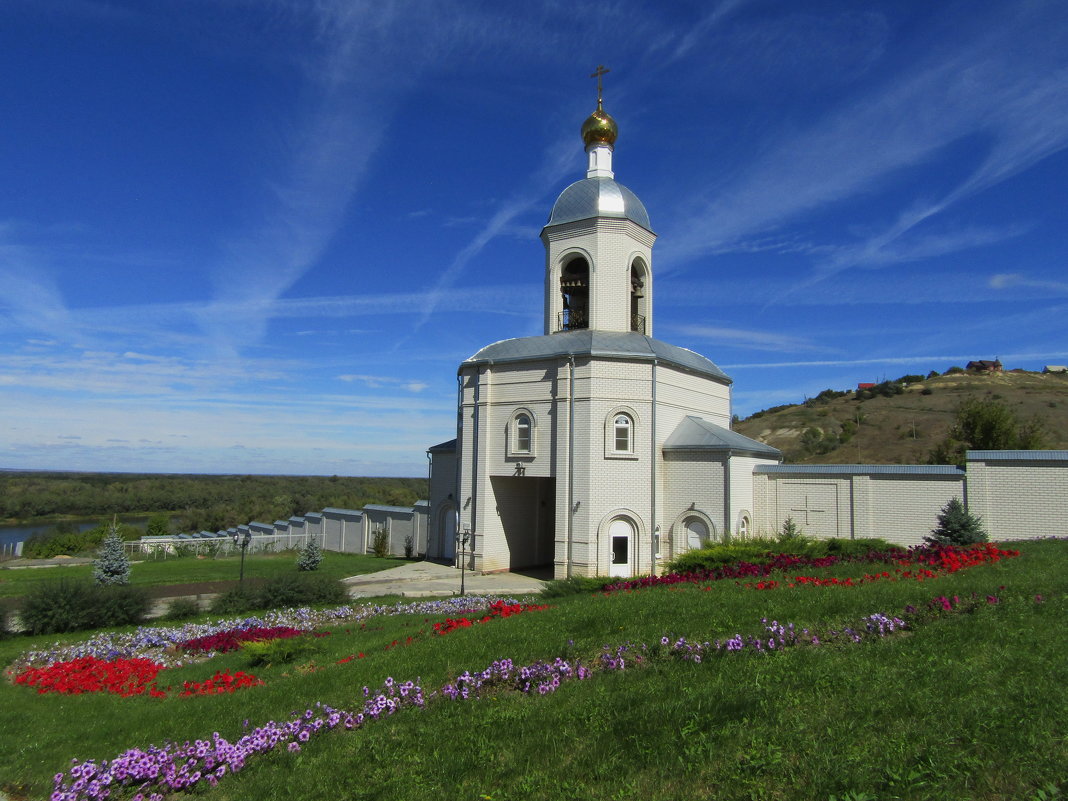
(904, 428)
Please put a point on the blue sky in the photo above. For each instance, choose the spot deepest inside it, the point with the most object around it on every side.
(260, 236)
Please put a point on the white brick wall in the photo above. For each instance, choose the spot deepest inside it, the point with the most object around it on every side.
(1020, 498)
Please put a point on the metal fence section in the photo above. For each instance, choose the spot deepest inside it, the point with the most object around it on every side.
(210, 548)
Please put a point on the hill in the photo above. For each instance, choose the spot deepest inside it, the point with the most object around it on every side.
(900, 422)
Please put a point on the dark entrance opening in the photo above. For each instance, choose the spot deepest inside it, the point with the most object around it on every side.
(527, 508)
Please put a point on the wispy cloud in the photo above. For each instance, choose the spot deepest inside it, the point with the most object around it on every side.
(741, 338)
(899, 360)
(556, 160)
(1002, 86)
(1008, 280)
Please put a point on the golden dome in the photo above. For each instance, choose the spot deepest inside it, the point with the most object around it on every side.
(599, 129)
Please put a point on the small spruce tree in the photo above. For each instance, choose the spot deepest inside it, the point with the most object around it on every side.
(790, 529)
(957, 526)
(111, 565)
(311, 555)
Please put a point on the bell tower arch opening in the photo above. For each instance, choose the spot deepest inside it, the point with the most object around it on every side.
(639, 297)
(575, 291)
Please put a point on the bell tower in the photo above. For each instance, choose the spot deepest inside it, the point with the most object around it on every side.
(598, 244)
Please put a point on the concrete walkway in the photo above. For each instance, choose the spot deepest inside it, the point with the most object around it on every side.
(429, 579)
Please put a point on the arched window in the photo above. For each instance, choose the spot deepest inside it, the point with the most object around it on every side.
(622, 434)
(522, 433)
(520, 437)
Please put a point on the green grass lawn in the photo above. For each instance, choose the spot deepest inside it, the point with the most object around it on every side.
(190, 570)
(966, 706)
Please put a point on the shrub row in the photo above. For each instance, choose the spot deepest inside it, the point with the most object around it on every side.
(754, 551)
(296, 589)
(65, 605)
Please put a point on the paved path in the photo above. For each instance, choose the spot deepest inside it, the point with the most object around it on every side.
(429, 579)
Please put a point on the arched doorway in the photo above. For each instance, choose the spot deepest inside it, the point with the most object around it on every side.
(621, 540)
(446, 539)
(697, 534)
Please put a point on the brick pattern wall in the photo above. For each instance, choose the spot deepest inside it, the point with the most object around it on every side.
(1019, 499)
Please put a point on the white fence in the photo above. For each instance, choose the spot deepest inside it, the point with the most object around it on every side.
(210, 548)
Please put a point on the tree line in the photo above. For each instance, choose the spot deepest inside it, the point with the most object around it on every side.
(195, 502)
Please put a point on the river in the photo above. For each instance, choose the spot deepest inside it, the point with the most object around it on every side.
(20, 532)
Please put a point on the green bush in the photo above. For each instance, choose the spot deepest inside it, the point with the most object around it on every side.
(297, 589)
(66, 605)
(576, 585)
(181, 609)
(276, 652)
(293, 589)
(837, 546)
(756, 550)
(380, 542)
(717, 555)
(234, 601)
(64, 539)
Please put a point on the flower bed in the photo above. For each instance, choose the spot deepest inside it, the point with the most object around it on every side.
(231, 639)
(88, 674)
(929, 561)
(123, 677)
(497, 609)
(160, 770)
(159, 643)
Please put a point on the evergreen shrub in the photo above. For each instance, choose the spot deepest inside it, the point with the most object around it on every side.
(66, 605)
(311, 556)
(112, 565)
(957, 526)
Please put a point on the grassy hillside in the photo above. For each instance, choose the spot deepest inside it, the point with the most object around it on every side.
(965, 702)
(903, 428)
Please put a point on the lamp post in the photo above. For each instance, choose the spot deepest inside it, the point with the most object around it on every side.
(461, 540)
(243, 542)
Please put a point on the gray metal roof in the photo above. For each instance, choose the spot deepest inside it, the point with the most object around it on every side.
(863, 469)
(334, 511)
(590, 342)
(696, 433)
(406, 510)
(1025, 456)
(598, 197)
(445, 446)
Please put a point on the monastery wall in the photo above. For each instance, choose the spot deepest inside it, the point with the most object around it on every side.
(1019, 494)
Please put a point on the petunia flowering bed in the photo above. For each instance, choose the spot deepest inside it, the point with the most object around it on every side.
(129, 665)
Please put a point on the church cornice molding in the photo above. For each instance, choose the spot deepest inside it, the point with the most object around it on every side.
(598, 225)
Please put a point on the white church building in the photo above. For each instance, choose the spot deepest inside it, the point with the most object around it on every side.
(599, 450)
